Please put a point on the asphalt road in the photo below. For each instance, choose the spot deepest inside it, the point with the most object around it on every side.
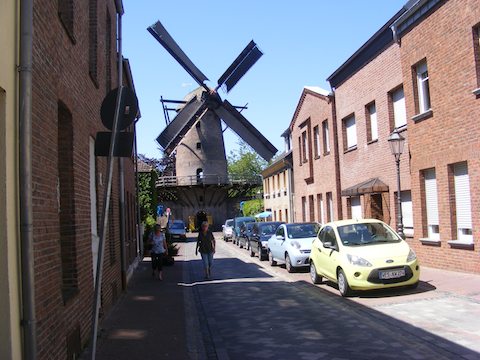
(250, 310)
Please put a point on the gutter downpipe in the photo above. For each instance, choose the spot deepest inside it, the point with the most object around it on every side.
(107, 196)
(28, 321)
(137, 195)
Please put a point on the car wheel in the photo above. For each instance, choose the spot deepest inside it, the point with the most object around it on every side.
(316, 279)
(252, 254)
(247, 245)
(288, 264)
(343, 286)
(260, 255)
(271, 259)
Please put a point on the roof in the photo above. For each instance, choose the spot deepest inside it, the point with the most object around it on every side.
(374, 185)
(417, 11)
(368, 51)
(143, 167)
(280, 164)
(307, 90)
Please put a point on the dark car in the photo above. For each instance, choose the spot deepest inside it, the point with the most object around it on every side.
(176, 230)
(245, 233)
(261, 232)
(238, 222)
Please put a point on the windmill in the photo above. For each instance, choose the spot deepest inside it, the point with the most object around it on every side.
(196, 131)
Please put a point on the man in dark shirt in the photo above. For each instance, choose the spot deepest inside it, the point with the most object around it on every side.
(206, 246)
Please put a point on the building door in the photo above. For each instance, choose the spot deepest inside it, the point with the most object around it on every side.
(376, 206)
(93, 207)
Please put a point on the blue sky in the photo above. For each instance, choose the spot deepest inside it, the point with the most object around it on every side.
(303, 42)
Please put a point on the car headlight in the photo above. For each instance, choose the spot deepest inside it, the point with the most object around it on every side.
(295, 244)
(357, 260)
(411, 256)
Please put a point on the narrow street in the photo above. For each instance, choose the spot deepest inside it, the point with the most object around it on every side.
(250, 310)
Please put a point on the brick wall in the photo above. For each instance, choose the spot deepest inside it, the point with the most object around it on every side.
(319, 174)
(446, 39)
(371, 159)
(61, 74)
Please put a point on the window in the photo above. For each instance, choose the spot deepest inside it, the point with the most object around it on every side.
(399, 110)
(326, 138)
(423, 89)
(304, 209)
(350, 133)
(431, 204)
(199, 145)
(304, 147)
(463, 209)
(279, 215)
(199, 175)
(65, 13)
(316, 141)
(407, 212)
(66, 202)
(108, 54)
(311, 205)
(92, 40)
(476, 49)
(372, 126)
(274, 215)
(286, 215)
(329, 207)
(356, 207)
(321, 210)
(300, 152)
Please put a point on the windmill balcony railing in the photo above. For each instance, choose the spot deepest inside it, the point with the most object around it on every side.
(193, 180)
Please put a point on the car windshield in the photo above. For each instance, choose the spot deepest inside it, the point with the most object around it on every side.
(299, 231)
(177, 225)
(229, 223)
(366, 233)
(241, 222)
(268, 229)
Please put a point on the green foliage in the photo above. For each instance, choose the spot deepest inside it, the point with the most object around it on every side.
(252, 207)
(245, 163)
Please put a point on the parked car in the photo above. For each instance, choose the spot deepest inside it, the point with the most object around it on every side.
(245, 234)
(237, 226)
(177, 230)
(261, 232)
(228, 230)
(362, 255)
(291, 244)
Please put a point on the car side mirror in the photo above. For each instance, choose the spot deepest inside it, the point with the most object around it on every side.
(223, 226)
(328, 245)
(281, 237)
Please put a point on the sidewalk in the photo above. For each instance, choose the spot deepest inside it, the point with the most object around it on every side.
(150, 321)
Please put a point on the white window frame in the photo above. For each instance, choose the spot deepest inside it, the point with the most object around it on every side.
(423, 87)
(305, 146)
(316, 134)
(322, 210)
(326, 137)
(399, 108)
(431, 202)
(356, 207)
(351, 132)
(407, 212)
(330, 205)
(463, 205)
(372, 114)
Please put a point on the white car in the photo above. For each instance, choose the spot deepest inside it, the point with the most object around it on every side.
(292, 244)
(228, 230)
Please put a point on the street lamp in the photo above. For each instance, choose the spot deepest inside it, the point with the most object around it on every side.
(396, 142)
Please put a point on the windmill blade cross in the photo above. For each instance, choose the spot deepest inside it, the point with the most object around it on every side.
(247, 58)
(243, 128)
(163, 37)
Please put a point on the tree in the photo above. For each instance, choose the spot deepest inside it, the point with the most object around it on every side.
(252, 207)
(244, 163)
(147, 191)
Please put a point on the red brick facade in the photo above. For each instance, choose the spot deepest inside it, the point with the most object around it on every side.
(66, 104)
(448, 40)
(315, 165)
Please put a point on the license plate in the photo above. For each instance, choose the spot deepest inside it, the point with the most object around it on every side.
(391, 274)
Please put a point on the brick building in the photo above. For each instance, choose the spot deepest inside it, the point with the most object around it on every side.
(369, 105)
(440, 57)
(315, 158)
(74, 67)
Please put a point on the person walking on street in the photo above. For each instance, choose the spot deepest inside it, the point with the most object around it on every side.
(159, 250)
(206, 246)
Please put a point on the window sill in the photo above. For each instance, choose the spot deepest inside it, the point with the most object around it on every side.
(372, 141)
(317, 157)
(309, 180)
(403, 128)
(326, 153)
(353, 148)
(476, 92)
(461, 244)
(425, 115)
(431, 242)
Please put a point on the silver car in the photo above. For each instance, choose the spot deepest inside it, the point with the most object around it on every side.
(228, 230)
(291, 245)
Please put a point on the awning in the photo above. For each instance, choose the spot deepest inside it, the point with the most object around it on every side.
(264, 215)
(374, 185)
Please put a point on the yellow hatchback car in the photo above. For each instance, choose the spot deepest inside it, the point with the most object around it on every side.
(362, 255)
